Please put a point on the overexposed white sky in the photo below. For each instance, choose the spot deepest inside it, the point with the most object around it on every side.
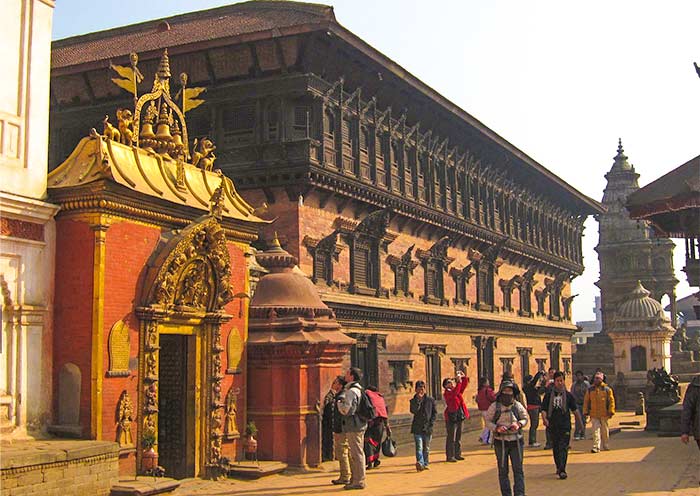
(560, 80)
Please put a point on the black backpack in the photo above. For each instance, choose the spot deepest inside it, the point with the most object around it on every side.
(365, 408)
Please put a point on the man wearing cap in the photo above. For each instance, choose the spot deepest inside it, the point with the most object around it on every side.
(599, 404)
(506, 418)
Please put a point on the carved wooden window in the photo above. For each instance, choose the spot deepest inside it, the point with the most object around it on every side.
(506, 364)
(541, 364)
(554, 354)
(362, 266)
(324, 252)
(555, 304)
(485, 346)
(364, 139)
(433, 371)
(567, 365)
(638, 355)
(507, 290)
(401, 374)
(395, 183)
(484, 286)
(301, 127)
(525, 354)
(525, 291)
(460, 363)
(272, 122)
(329, 136)
(364, 354)
(403, 270)
(541, 296)
(238, 122)
(461, 279)
(435, 262)
(366, 241)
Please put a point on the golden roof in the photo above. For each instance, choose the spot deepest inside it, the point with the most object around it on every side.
(148, 152)
(98, 158)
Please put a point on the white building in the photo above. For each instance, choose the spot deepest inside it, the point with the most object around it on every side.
(27, 234)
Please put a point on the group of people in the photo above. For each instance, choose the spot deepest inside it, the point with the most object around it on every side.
(357, 418)
(357, 437)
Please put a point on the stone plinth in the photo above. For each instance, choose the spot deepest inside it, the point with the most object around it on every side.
(654, 404)
(59, 468)
(670, 420)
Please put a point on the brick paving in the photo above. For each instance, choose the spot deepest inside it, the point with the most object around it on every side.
(639, 464)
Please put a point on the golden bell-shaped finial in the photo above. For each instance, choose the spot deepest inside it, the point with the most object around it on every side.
(163, 129)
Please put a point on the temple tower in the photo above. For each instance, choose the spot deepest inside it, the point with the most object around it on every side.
(627, 250)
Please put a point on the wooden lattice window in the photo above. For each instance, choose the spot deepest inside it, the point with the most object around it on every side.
(272, 120)
(435, 262)
(401, 374)
(525, 354)
(364, 354)
(301, 127)
(461, 279)
(238, 122)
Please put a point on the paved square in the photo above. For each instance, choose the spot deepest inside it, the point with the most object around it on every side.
(639, 464)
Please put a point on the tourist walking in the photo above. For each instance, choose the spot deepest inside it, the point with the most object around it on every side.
(353, 426)
(485, 395)
(690, 416)
(424, 414)
(599, 404)
(534, 402)
(376, 428)
(456, 412)
(508, 376)
(578, 389)
(340, 444)
(506, 418)
(548, 384)
(557, 406)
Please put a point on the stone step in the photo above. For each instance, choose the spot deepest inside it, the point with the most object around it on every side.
(144, 486)
(255, 470)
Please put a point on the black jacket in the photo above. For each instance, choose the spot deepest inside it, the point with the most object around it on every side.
(424, 414)
(690, 415)
(531, 392)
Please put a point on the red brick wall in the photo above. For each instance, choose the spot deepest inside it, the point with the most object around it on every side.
(73, 307)
(128, 248)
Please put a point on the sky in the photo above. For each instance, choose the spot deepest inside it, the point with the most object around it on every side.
(562, 81)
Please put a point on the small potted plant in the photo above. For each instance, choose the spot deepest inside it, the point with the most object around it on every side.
(149, 456)
(250, 445)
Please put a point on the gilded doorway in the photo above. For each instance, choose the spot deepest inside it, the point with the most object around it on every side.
(187, 286)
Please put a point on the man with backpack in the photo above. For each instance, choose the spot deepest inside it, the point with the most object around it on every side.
(356, 409)
(557, 406)
(599, 404)
(506, 418)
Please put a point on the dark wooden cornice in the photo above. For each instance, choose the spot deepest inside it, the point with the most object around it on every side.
(358, 316)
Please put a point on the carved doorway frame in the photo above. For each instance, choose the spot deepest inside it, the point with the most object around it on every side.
(186, 288)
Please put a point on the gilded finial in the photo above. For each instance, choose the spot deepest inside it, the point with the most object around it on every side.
(163, 71)
(275, 243)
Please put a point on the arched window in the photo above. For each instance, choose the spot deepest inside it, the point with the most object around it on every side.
(638, 355)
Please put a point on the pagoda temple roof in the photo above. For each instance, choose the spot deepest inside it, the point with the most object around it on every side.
(247, 22)
(98, 158)
(672, 202)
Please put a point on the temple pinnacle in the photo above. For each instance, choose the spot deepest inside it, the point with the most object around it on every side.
(163, 71)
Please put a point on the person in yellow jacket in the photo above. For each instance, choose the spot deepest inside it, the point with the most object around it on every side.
(599, 404)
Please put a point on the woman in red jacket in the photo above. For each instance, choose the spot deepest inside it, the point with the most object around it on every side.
(455, 413)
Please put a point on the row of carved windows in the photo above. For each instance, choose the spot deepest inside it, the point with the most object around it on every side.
(367, 242)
